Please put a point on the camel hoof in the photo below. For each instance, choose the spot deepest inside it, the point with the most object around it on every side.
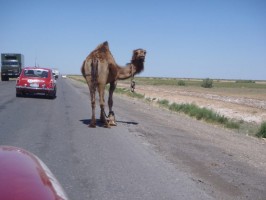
(112, 123)
(107, 126)
(92, 125)
(111, 118)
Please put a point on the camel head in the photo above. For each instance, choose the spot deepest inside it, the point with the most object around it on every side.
(138, 59)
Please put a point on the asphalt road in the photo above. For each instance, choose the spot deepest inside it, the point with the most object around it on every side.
(124, 162)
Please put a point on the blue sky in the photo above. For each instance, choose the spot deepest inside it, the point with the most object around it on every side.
(223, 39)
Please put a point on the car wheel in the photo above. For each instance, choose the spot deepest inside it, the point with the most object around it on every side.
(19, 94)
(52, 95)
(4, 78)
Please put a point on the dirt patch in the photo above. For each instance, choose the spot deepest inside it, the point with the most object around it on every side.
(246, 105)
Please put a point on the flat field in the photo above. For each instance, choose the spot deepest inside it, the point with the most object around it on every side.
(241, 100)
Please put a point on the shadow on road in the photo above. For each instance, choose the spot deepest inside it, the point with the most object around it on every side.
(36, 96)
(129, 123)
(100, 124)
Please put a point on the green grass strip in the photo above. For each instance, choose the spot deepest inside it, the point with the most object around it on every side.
(127, 92)
(200, 113)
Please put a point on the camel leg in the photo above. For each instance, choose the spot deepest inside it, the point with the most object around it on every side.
(93, 105)
(102, 102)
(111, 115)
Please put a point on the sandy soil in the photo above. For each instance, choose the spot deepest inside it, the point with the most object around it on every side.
(247, 106)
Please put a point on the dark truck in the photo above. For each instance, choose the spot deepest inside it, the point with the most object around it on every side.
(11, 65)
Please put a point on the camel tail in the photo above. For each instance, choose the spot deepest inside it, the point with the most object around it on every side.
(83, 68)
(94, 72)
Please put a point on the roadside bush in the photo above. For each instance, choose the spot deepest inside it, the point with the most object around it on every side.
(163, 102)
(135, 95)
(181, 83)
(262, 131)
(232, 125)
(207, 83)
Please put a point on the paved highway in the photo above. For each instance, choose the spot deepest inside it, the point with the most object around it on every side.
(124, 162)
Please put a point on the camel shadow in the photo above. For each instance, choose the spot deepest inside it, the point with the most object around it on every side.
(88, 121)
(100, 124)
(129, 123)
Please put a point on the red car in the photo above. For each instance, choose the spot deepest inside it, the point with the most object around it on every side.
(25, 177)
(36, 80)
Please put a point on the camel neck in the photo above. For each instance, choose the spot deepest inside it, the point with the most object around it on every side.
(126, 72)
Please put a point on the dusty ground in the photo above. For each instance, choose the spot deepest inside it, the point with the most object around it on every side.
(247, 105)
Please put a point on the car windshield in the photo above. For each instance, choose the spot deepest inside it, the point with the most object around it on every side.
(36, 73)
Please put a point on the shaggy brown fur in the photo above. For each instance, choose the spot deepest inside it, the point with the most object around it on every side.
(99, 69)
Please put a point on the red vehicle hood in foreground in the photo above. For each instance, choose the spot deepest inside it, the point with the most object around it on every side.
(23, 176)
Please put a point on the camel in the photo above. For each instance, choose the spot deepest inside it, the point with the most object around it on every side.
(100, 69)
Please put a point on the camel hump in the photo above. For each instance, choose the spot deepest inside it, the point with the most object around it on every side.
(103, 47)
(105, 43)
(102, 52)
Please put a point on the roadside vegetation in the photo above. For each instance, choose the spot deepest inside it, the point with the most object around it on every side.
(262, 131)
(192, 110)
(245, 81)
(181, 83)
(207, 83)
(128, 93)
(200, 113)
